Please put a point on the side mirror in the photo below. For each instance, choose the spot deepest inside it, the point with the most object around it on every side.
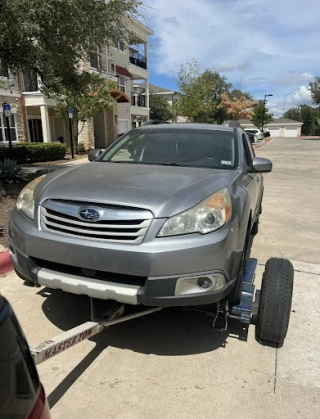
(261, 165)
(94, 154)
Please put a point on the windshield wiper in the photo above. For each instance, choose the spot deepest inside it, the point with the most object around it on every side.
(171, 164)
(148, 163)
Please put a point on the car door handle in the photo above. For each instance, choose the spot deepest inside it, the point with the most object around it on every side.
(258, 179)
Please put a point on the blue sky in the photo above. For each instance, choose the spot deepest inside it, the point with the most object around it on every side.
(263, 46)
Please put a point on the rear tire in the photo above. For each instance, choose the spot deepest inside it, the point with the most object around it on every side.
(275, 302)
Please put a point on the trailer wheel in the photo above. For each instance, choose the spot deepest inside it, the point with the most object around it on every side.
(275, 302)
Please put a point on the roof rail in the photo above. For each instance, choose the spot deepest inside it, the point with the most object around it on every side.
(234, 124)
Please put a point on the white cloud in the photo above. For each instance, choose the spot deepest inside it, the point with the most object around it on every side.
(244, 66)
(294, 78)
(224, 67)
(301, 96)
(275, 44)
(234, 31)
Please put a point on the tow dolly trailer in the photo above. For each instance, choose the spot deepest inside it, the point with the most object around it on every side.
(271, 317)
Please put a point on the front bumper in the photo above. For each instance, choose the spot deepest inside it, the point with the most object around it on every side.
(133, 274)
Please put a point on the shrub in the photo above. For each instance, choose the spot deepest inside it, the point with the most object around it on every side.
(34, 152)
(82, 148)
(10, 171)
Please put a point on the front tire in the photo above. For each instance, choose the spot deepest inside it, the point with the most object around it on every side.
(275, 302)
(235, 296)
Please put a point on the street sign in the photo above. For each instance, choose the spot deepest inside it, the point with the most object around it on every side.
(6, 110)
(70, 113)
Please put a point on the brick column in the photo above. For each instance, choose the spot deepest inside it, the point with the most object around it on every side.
(86, 136)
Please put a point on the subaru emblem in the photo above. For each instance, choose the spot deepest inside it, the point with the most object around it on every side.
(89, 214)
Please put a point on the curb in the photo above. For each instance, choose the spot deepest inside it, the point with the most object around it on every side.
(262, 144)
(5, 263)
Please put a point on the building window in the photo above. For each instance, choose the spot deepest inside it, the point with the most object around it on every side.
(95, 59)
(119, 45)
(3, 128)
(122, 83)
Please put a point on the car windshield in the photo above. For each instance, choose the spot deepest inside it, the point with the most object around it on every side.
(176, 147)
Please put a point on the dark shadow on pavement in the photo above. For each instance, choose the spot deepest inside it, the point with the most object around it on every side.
(170, 332)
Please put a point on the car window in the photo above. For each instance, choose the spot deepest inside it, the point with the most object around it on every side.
(246, 149)
(177, 147)
(251, 149)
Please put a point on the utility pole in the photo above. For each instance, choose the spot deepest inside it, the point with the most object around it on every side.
(285, 98)
(70, 114)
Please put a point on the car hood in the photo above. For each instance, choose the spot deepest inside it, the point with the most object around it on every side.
(164, 190)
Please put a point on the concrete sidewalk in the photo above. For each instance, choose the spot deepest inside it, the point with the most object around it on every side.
(30, 171)
(172, 364)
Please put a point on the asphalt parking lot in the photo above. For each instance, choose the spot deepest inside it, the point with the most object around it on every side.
(172, 364)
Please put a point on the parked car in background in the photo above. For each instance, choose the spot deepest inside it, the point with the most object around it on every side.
(257, 132)
(252, 137)
(266, 133)
(21, 393)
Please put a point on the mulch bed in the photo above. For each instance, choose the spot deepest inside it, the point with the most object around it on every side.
(7, 203)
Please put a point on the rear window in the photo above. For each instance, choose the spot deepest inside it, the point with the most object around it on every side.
(176, 147)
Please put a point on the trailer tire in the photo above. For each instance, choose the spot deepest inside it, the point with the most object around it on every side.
(275, 302)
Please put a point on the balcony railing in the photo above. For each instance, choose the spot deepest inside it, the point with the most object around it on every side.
(138, 100)
(138, 60)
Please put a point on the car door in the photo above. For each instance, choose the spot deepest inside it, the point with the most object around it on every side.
(253, 180)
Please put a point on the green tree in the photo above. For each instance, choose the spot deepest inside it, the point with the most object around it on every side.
(85, 103)
(54, 37)
(260, 115)
(236, 94)
(306, 114)
(196, 91)
(294, 114)
(159, 108)
(315, 91)
(200, 93)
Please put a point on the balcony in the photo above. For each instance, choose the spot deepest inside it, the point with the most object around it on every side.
(138, 100)
(138, 60)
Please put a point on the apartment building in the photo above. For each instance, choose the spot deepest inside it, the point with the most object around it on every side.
(10, 92)
(172, 97)
(34, 116)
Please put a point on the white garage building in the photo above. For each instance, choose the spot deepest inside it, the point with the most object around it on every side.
(279, 127)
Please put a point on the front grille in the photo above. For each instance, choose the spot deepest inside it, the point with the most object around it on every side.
(115, 224)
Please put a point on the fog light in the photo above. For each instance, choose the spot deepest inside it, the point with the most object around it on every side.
(200, 284)
(204, 282)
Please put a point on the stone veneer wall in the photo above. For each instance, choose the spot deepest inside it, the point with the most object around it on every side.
(15, 104)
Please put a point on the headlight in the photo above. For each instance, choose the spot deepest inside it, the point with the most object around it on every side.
(25, 202)
(210, 215)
